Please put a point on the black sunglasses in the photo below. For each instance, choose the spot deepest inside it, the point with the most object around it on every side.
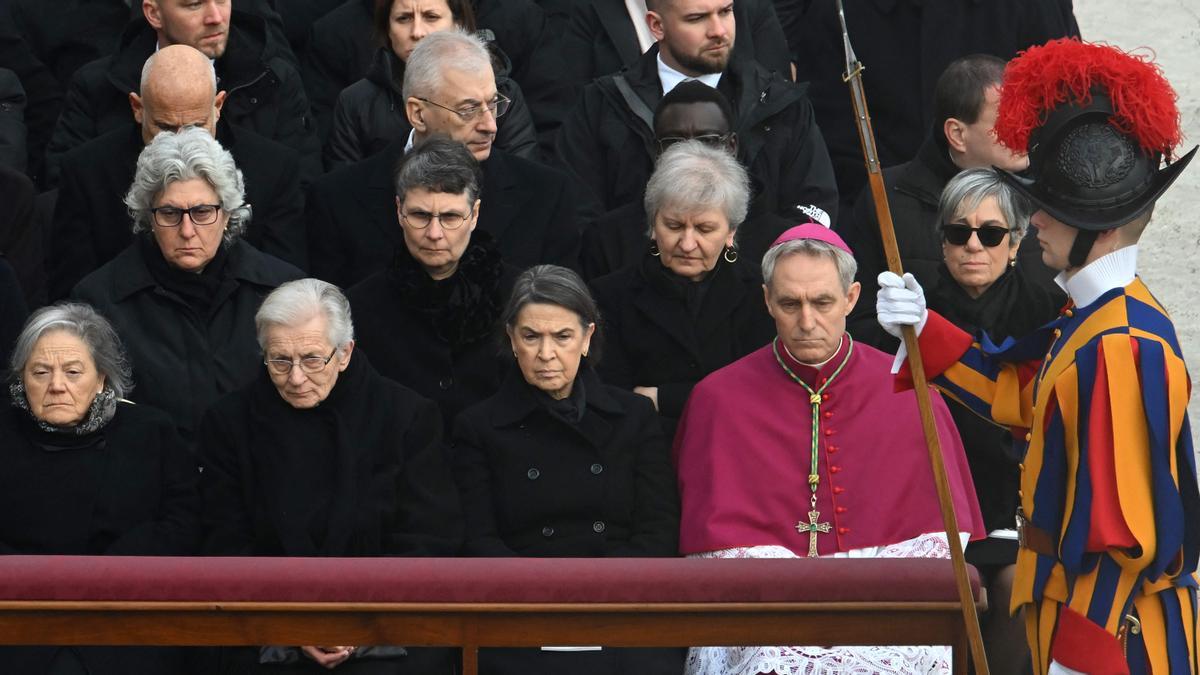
(959, 235)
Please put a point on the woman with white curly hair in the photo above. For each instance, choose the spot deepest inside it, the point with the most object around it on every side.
(183, 295)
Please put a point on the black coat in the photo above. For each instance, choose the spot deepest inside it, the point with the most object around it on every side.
(600, 39)
(611, 149)
(362, 474)
(439, 338)
(91, 223)
(22, 236)
(264, 91)
(914, 189)
(127, 489)
(183, 362)
(13, 310)
(533, 484)
(43, 94)
(340, 50)
(905, 45)
(14, 136)
(370, 114)
(652, 338)
(1013, 306)
(353, 230)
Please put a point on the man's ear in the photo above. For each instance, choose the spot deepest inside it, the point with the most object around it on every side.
(852, 297)
(219, 102)
(415, 114)
(655, 22)
(953, 129)
(135, 104)
(153, 16)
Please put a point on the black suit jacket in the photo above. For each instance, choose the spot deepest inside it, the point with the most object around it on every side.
(91, 224)
(528, 208)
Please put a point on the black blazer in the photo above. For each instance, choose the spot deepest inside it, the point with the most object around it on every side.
(528, 208)
(651, 340)
(91, 224)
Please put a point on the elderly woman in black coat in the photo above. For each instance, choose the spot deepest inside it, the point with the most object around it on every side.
(559, 464)
(85, 472)
(370, 113)
(688, 307)
(183, 295)
(429, 319)
(981, 287)
(322, 456)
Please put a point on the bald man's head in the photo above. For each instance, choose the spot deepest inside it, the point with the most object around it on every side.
(178, 89)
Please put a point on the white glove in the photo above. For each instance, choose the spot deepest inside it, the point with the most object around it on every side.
(900, 302)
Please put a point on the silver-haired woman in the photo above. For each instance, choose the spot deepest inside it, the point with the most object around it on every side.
(183, 294)
(982, 286)
(85, 472)
(322, 456)
(689, 306)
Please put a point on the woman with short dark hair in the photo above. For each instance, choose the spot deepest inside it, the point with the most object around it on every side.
(559, 464)
(429, 319)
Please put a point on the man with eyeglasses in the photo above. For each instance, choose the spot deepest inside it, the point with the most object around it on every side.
(450, 91)
(91, 225)
(965, 102)
(608, 140)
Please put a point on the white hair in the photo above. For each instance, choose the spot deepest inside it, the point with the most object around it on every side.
(698, 177)
(298, 301)
(844, 262)
(435, 54)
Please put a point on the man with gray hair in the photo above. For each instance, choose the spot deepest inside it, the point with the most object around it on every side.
(449, 90)
(178, 89)
(780, 455)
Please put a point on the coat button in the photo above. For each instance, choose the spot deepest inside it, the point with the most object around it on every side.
(1069, 313)
(831, 449)
(1028, 437)
(253, 101)
(827, 414)
(598, 526)
(829, 432)
(824, 397)
(533, 474)
(835, 469)
(547, 531)
(843, 530)
(840, 509)
(837, 490)
(446, 382)
(597, 468)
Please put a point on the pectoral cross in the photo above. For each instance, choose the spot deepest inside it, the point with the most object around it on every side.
(812, 527)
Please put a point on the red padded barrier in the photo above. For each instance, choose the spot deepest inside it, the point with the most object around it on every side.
(475, 580)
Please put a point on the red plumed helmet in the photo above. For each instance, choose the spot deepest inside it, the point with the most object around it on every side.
(1067, 70)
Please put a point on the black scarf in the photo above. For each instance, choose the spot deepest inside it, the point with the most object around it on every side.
(681, 289)
(462, 308)
(313, 471)
(1010, 307)
(199, 291)
(571, 408)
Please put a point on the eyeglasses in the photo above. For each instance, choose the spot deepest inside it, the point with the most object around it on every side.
(419, 220)
(498, 107)
(959, 235)
(711, 140)
(172, 216)
(309, 364)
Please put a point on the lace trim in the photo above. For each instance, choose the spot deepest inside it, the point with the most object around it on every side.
(886, 659)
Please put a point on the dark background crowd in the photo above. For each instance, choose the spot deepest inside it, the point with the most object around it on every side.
(455, 167)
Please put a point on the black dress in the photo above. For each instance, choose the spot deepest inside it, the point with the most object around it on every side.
(128, 488)
(664, 331)
(1012, 307)
(362, 474)
(588, 476)
(439, 338)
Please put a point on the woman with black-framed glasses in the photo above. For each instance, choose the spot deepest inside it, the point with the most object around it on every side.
(322, 456)
(428, 320)
(981, 286)
(183, 293)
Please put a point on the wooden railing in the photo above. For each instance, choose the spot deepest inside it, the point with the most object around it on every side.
(473, 603)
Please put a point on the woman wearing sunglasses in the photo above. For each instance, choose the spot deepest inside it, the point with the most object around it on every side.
(983, 287)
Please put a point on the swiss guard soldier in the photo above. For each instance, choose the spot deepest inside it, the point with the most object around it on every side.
(1109, 514)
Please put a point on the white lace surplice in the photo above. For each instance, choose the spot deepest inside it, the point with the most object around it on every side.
(817, 660)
